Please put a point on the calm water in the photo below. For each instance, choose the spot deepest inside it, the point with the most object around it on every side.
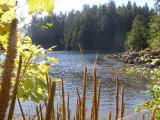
(70, 68)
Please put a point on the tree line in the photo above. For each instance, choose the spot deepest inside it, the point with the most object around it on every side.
(145, 34)
(104, 27)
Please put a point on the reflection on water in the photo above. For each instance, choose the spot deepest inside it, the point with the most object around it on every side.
(71, 66)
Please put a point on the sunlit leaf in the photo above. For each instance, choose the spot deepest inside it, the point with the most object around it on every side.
(40, 5)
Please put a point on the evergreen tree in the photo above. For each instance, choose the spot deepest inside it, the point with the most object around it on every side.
(137, 37)
(154, 30)
(102, 27)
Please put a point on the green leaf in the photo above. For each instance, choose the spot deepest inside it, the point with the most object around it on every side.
(42, 84)
(28, 84)
(50, 24)
(47, 26)
(40, 5)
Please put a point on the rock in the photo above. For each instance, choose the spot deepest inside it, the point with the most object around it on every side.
(130, 62)
(155, 63)
(158, 56)
(148, 56)
(148, 59)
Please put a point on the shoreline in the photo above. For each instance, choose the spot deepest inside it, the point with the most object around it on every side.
(144, 59)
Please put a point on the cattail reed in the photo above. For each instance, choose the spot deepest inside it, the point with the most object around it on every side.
(84, 94)
(109, 116)
(152, 117)
(117, 99)
(68, 109)
(122, 100)
(15, 90)
(95, 95)
(63, 102)
(99, 94)
(77, 109)
(94, 111)
(50, 108)
(79, 104)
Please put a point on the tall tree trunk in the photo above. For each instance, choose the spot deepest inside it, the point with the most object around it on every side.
(8, 70)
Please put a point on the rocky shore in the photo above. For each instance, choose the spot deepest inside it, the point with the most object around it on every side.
(146, 59)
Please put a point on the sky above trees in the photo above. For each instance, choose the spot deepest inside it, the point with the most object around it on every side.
(67, 5)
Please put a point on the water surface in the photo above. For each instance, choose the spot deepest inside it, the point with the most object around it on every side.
(70, 68)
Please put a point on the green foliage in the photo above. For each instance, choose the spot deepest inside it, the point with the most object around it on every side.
(34, 69)
(155, 92)
(137, 37)
(102, 27)
(48, 31)
(40, 6)
(47, 26)
(7, 13)
(154, 27)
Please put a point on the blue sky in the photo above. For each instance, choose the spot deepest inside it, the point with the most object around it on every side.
(67, 5)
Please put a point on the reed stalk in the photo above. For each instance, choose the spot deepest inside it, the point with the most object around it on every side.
(40, 110)
(50, 108)
(63, 102)
(92, 109)
(109, 116)
(21, 109)
(152, 117)
(79, 104)
(68, 109)
(95, 94)
(117, 99)
(58, 116)
(99, 95)
(139, 115)
(37, 111)
(143, 117)
(84, 94)
(15, 91)
(77, 109)
(122, 100)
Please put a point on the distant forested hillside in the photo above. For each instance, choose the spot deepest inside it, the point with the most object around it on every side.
(103, 27)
